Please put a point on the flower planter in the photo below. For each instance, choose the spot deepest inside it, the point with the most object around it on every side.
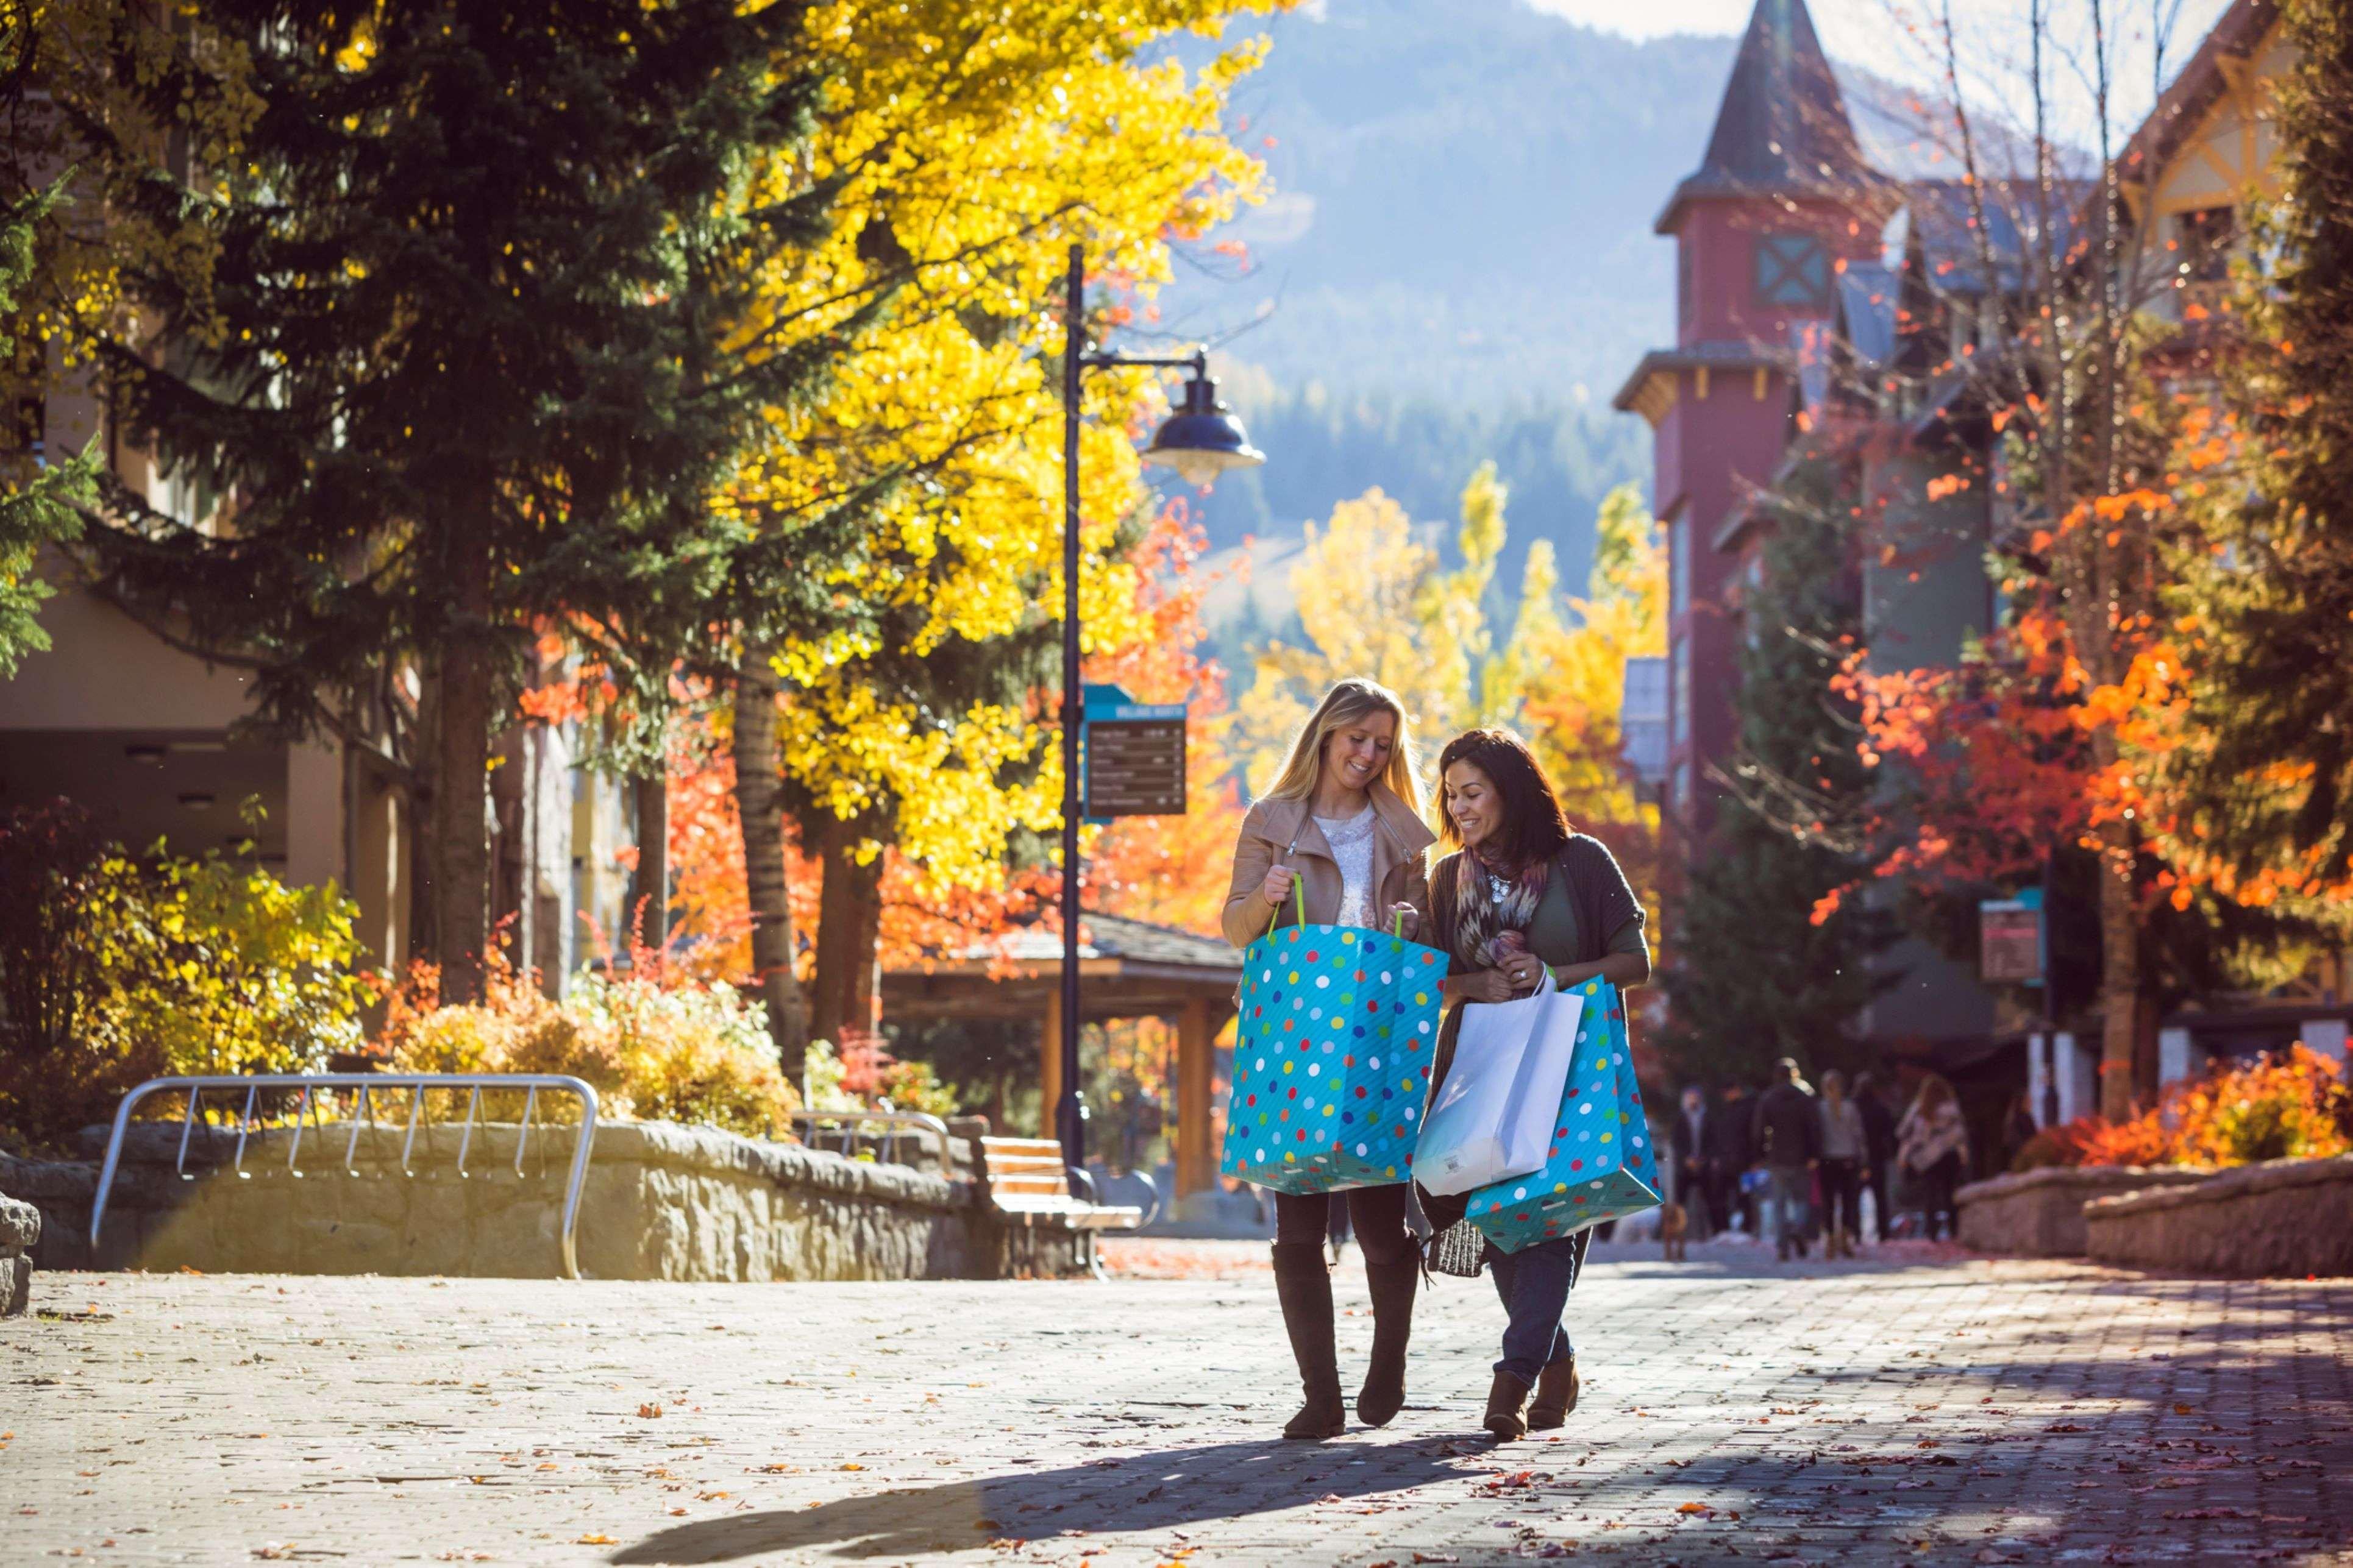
(2285, 1218)
(2040, 1214)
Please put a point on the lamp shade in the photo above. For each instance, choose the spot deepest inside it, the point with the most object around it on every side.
(1202, 440)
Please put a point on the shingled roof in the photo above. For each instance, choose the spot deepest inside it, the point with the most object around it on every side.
(1117, 936)
(1782, 129)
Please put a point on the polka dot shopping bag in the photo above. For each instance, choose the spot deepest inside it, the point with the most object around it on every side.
(1600, 1164)
(1331, 1058)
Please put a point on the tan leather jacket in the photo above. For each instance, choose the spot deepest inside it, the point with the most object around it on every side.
(1283, 833)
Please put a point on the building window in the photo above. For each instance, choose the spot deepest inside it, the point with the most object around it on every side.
(1679, 567)
(27, 436)
(2205, 237)
(1679, 701)
(1793, 272)
(1686, 261)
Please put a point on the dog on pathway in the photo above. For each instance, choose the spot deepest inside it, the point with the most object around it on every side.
(1674, 1224)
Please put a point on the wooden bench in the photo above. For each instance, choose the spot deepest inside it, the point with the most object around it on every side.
(1028, 1189)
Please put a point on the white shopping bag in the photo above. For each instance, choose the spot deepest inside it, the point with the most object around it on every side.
(1493, 1118)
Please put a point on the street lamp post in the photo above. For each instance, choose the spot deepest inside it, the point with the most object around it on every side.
(1200, 441)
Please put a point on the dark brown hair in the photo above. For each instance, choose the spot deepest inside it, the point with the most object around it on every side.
(1534, 827)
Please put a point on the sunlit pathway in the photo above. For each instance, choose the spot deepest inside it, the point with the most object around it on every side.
(1875, 1412)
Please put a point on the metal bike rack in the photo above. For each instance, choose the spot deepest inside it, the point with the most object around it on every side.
(1151, 1189)
(847, 1124)
(369, 1084)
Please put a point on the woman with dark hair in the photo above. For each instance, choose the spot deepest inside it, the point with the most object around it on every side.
(1338, 839)
(1521, 895)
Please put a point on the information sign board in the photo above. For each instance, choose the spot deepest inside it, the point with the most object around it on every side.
(2009, 940)
(1133, 756)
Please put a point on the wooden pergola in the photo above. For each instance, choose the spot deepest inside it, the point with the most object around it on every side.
(1127, 969)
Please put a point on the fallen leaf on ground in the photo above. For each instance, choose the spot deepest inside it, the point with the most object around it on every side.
(649, 1411)
(595, 1541)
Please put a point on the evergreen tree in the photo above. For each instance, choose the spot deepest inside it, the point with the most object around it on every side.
(2271, 583)
(36, 503)
(1753, 974)
(475, 358)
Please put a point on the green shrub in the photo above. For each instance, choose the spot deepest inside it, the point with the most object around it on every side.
(114, 970)
(654, 1048)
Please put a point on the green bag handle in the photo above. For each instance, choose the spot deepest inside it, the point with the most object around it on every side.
(1299, 902)
(1299, 896)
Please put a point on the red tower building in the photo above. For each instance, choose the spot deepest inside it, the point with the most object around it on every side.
(1763, 227)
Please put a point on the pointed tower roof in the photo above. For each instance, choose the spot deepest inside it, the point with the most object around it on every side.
(1782, 129)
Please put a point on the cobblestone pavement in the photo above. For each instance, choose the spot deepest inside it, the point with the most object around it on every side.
(1950, 1412)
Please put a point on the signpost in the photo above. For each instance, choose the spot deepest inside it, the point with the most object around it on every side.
(2010, 946)
(1134, 756)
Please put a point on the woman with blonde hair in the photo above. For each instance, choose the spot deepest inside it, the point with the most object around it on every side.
(1339, 841)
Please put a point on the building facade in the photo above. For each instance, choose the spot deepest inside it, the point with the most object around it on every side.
(1824, 306)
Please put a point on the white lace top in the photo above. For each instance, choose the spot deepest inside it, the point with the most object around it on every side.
(1352, 845)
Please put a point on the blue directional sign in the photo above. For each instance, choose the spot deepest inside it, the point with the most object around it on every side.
(1132, 756)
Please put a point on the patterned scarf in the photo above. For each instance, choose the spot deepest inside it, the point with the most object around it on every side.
(1486, 929)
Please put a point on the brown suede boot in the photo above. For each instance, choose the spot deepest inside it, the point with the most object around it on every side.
(1503, 1401)
(1304, 1284)
(1556, 1387)
(1393, 1286)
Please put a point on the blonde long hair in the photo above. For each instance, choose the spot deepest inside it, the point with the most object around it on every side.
(1347, 702)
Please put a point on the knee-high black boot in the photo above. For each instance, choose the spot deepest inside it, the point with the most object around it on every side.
(1393, 1286)
(1303, 1282)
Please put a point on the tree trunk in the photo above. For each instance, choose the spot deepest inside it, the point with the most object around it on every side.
(850, 923)
(462, 861)
(510, 909)
(424, 843)
(649, 896)
(758, 803)
(2119, 971)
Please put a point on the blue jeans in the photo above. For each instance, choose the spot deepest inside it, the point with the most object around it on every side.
(1534, 1283)
(1792, 1193)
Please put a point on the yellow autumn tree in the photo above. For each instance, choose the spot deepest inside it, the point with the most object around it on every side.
(968, 147)
(1575, 670)
(1573, 681)
(1375, 599)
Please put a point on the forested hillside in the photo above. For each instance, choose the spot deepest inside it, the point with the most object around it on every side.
(1457, 265)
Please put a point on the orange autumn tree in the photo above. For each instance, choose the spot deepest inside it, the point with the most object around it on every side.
(2022, 750)
(1173, 870)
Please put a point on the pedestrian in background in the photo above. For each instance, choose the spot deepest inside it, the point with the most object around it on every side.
(1789, 1134)
(1841, 1172)
(1728, 1159)
(1687, 1138)
(1339, 841)
(1878, 1149)
(1933, 1145)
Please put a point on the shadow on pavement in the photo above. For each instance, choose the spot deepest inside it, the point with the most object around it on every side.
(2225, 1443)
(1138, 1492)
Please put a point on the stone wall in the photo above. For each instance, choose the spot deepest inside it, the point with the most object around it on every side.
(2040, 1214)
(661, 1201)
(2283, 1218)
(20, 1228)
